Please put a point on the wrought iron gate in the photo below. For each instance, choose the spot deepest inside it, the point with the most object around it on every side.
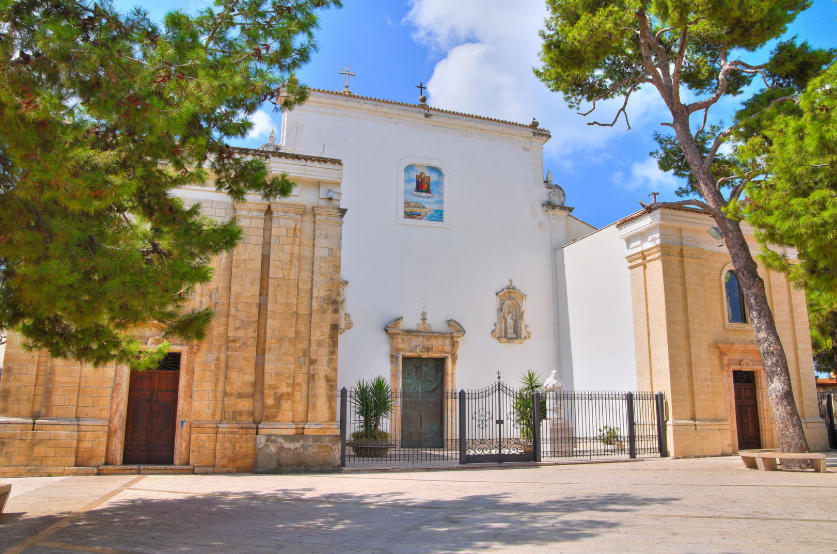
(500, 424)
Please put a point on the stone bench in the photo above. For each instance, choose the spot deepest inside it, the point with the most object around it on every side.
(768, 460)
(5, 491)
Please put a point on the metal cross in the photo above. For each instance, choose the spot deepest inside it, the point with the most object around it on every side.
(421, 88)
(655, 195)
(348, 74)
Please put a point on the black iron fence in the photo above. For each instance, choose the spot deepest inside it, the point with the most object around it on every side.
(498, 424)
(826, 403)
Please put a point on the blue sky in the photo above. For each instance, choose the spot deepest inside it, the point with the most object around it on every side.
(476, 56)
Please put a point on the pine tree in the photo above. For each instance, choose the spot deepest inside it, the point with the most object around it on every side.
(594, 51)
(102, 116)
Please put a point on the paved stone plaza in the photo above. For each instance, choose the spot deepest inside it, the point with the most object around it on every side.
(704, 505)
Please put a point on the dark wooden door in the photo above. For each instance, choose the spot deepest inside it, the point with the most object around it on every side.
(150, 426)
(746, 410)
(422, 402)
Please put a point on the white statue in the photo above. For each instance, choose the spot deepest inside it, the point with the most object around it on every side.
(510, 325)
(553, 382)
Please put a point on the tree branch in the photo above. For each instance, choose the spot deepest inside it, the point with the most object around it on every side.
(719, 140)
(636, 79)
(723, 81)
(678, 66)
(621, 111)
(680, 203)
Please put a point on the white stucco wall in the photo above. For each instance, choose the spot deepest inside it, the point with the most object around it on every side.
(496, 230)
(596, 318)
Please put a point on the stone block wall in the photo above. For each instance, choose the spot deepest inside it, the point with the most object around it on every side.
(267, 367)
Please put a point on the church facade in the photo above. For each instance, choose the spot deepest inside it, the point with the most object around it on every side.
(413, 234)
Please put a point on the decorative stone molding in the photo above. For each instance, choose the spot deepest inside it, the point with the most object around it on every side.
(345, 321)
(424, 342)
(511, 316)
(745, 357)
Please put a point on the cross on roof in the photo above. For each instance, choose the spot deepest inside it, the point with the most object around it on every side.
(348, 74)
(421, 88)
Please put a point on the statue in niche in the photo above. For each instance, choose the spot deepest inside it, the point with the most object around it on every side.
(510, 325)
(511, 321)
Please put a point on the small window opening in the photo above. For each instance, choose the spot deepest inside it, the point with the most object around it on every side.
(736, 312)
(171, 362)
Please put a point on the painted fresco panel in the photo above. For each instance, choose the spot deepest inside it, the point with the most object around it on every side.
(424, 193)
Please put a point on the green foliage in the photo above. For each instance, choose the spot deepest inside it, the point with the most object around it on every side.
(608, 435)
(796, 204)
(822, 314)
(523, 404)
(372, 404)
(790, 67)
(592, 50)
(102, 116)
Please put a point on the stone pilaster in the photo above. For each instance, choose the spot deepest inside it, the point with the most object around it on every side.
(325, 321)
(235, 443)
(281, 324)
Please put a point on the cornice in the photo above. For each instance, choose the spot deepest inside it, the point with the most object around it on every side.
(324, 213)
(287, 211)
(250, 209)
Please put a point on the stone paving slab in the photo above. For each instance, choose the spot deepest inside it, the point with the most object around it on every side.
(705, 505)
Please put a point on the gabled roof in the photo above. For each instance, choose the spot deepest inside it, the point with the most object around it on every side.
(432, 109)
(281, 154)
(640, 213)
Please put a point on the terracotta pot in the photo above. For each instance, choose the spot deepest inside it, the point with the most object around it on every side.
(370, 448)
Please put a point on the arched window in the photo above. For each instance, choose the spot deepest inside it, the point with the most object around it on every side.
(736, 312)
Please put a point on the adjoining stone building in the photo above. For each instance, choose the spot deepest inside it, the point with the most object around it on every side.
(264, 378)
(675, 314)
(456, 258)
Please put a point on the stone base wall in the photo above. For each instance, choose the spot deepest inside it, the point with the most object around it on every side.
(290, 453)
(79, 448)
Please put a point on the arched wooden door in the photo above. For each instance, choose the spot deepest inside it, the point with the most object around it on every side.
(152, 413)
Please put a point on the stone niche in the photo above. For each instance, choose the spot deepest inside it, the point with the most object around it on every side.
(511, 316)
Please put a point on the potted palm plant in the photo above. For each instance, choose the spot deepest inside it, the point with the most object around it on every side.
(372, 404)
(524, 409)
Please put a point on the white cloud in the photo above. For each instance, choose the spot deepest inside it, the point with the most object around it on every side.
(488, 50)
(262, 125)
(646, 177)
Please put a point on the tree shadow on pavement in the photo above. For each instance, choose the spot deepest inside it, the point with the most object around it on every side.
(307, 521)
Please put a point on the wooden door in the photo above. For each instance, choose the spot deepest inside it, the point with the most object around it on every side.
(746, 410)
(152, 410)
(422, 402)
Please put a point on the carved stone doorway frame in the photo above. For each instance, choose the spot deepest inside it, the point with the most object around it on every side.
(745, 357)
(183, 419)
(424, 342)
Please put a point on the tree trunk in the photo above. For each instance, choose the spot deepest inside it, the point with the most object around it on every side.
(834, 352)
(779, 391)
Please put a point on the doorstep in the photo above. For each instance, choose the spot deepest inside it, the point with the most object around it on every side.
(145, 470)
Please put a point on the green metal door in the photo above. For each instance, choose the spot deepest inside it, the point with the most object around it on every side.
(422, 402)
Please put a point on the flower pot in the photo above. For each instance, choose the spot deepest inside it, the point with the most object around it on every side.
(370, 448)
